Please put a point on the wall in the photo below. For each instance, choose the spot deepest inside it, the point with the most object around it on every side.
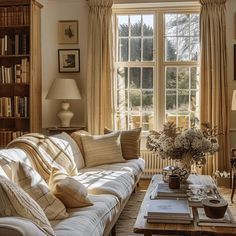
(55, 10)
(52, 12)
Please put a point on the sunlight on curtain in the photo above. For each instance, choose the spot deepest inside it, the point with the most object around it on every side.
(99, 67)
(214, 104)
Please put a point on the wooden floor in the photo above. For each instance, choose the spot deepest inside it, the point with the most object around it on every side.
(143, 184)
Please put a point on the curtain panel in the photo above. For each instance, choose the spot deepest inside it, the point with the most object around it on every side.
(214, 95)
(100, 66)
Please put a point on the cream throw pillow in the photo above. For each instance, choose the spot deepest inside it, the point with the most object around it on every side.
(102, 149)
(15, 202)
(32, 183)
(70, 191)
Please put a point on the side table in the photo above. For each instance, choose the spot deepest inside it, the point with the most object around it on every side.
(68, 130)
(233, 171)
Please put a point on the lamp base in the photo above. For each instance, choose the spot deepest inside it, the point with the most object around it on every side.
(65, 115)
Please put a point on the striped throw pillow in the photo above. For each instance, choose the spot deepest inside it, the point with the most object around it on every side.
(102, 149)
(15, 202)
(31, 182)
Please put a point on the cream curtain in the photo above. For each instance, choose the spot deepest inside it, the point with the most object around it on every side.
(214, 104)
(99, 67)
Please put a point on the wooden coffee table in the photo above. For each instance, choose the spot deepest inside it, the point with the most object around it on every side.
(143, 227)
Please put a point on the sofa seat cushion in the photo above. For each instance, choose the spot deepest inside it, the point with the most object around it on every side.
(90, 220)
(134, 166)
(100, 181)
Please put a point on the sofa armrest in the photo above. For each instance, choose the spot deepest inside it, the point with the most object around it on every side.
(16, 226)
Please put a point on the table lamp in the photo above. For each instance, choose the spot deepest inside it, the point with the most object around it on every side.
(233, 107)
(64, 89)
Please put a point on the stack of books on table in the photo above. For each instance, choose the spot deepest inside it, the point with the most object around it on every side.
(169, 211)
(163, 191)
(226, 221)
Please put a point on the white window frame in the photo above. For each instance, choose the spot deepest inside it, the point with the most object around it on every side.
(159, 62)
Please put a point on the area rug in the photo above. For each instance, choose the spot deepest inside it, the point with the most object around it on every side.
(127, 218)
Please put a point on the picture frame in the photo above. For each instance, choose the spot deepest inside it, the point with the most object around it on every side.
(68, 60)
(68, 31)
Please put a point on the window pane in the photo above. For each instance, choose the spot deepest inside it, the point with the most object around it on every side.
(194, 48)
(183, 24)
(147, 25)
(123, 25)
(135, 22)
(183, 48)
(171, 24)
(183, 78)
(135, 79)
(148, 121)
(183, 121)
(147, 49)
(171, 101)
(171, 48)
(135, 100)
(135, 49)
(147, 81)
(193, 101)
(171, 119)
(194, 118)
(171, 74)
(134, 121)
(147, 100)
(194, 78)
(183, 100)
(122, 77)
(194, 25)
(123, 49)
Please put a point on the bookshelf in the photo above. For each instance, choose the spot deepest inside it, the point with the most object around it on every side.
(20, 69)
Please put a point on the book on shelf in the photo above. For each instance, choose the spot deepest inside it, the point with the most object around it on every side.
(15, 44)
(163, 191)
(226, 221)
(14, 15)
(6, 136)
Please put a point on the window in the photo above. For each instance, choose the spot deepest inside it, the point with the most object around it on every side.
(156, 69)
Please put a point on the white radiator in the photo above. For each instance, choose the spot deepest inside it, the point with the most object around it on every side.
(153, 164)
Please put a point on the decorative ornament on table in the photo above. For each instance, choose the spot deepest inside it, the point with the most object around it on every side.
(185, 146)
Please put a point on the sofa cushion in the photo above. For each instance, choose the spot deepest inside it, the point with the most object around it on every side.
(102, 149)
(70, 191)
(77, 137)
(45, 154)
(15, 202)
(90, 220)
(67, 143)
(130, 142)
(99, 181)
(32, 183)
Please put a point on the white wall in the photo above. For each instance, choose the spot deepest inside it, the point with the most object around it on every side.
(52, 12)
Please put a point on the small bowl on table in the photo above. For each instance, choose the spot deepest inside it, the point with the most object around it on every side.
(214, 208)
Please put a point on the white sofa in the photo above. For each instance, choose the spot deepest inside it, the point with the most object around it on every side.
(109, 186)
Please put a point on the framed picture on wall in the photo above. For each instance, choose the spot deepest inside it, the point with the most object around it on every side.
(68, 32)
(68, 60)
